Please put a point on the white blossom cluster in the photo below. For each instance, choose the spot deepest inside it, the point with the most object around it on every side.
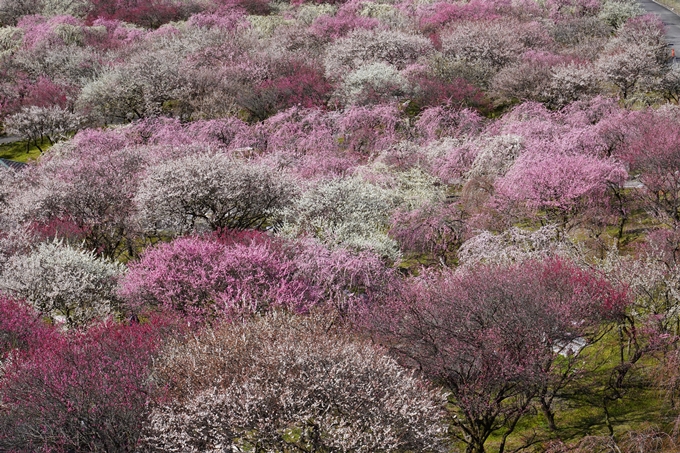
(362, 47)
(285, 384)
(496, 156)
(349, 212)
(63, 282)
(36, 123)
(653, 281)
(516, 245)
(212, 190)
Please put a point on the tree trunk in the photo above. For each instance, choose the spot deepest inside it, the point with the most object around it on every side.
(549, 415)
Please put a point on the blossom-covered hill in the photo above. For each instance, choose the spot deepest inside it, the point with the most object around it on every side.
(361, 226)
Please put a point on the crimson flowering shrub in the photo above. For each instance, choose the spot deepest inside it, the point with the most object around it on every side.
(21, 328)
(295, 84)
(228, 19)
(511, 164)
(44, 92)
(80, 391)
(317, 143)
(145, 13)
(306, 142)
(118, 35)
(169, 137)
(40, 31)
(596, 127)
(228, 132)
(300, 131)
(432, 91)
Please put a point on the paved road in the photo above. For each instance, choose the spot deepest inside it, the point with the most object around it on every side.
(9, 139)
(669, 19)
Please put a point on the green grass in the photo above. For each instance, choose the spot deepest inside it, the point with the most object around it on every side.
(17, 151)
(580, 413)
(672, 4)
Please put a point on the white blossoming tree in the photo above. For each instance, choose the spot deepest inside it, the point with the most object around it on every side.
(64, 282)
(36, 124)
(212, 191)
(285, 383)
(345, 211)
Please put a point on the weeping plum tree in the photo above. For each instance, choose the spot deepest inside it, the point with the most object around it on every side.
(491, 334)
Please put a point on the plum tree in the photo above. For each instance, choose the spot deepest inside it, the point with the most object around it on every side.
(35, 124)
(560, 186)
(79, 392)
(206, 279)
(491, 334)
(212, 191)
(289, 383)
(238, 274)
(62, 282)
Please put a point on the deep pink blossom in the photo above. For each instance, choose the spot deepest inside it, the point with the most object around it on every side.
(80, 391)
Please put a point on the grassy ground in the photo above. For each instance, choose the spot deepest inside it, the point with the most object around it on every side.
(580, 412)
(672, 4)
(17, 151)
